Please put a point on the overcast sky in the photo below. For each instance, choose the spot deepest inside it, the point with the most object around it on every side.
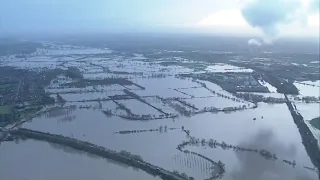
(259, 17)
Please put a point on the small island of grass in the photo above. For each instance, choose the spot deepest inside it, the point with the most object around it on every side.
(316, 123)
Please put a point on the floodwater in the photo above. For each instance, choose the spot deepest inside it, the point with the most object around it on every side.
(226, 68)
(310, 111)
(37, 160)
(271, 88)
(268, 127)
(309, 88)
(276, 133)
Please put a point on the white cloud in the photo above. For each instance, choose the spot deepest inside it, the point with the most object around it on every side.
(254, 42)
(231, 17)
(225, 21)
(306, 23)
(313, 20)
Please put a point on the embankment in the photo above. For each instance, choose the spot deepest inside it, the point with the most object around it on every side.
(97, 150)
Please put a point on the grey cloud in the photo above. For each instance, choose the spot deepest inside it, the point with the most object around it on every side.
(268, 14)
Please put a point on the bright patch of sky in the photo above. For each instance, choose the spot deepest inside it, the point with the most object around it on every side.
(281, 17)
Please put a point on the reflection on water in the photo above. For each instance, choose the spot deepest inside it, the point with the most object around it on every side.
(252, 165)
(193, 163)
(251, 168)
(235, 128)
(62, 113)
(70, 150)
(41, 161)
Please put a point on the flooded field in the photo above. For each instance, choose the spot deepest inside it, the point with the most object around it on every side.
(154, 98)
(59, 162)
(309, 88)
(277, 130)
(226, 68)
